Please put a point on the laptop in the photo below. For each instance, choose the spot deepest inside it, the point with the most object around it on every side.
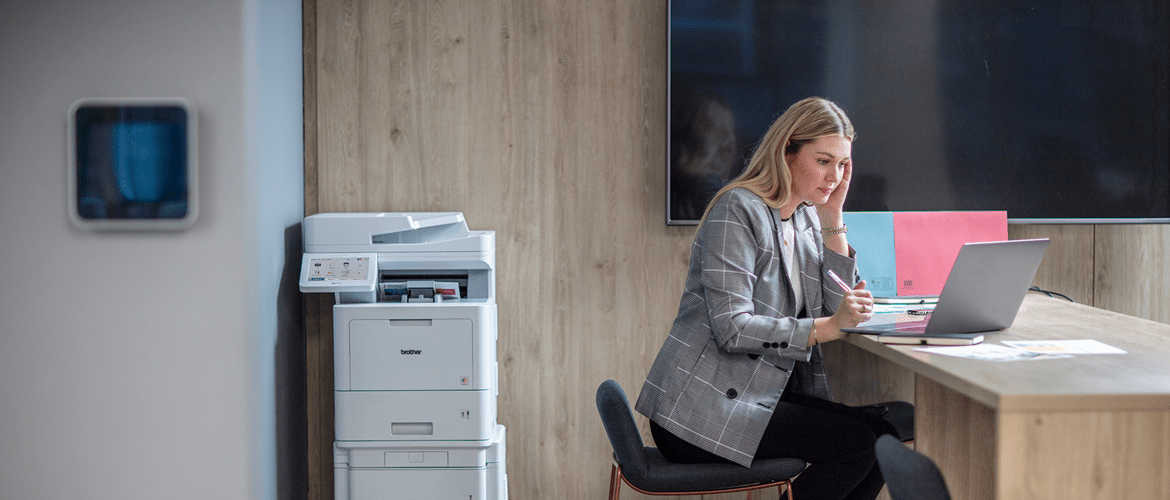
(982, 293)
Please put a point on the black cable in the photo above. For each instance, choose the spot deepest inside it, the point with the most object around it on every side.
(1051, 294)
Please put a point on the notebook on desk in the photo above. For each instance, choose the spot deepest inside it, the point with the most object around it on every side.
(983, 292)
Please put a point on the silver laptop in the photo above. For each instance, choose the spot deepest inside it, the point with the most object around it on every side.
(983, 292)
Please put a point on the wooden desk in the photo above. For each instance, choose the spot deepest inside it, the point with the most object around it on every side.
(1085, 426)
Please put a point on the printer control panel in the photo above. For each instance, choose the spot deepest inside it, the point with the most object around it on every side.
(356, 272)
(339, 268)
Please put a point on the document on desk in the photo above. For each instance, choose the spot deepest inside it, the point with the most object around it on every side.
(988, 352)
(1088, 346)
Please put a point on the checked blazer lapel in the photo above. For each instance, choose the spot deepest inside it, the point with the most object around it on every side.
(806, 257)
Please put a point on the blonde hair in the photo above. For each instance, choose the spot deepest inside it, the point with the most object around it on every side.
(767, 173)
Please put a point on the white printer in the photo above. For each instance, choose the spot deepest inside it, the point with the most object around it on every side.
(421, 470)
(415, 372)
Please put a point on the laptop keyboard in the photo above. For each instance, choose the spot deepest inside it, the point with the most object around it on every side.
(916, 326)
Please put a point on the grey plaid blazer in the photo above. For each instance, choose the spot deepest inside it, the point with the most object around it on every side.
(736, 339)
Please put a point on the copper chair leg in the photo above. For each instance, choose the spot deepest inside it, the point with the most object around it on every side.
(615, 482)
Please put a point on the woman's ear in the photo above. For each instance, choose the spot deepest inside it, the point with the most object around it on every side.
(788, 157)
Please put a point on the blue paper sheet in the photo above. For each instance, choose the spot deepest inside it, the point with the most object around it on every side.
(872, 235)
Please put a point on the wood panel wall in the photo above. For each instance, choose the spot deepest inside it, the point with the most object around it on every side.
(543, 120)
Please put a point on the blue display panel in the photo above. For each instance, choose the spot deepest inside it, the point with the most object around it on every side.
(132, 164)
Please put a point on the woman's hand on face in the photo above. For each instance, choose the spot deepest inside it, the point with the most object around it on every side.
(836, 202)
(855, 307)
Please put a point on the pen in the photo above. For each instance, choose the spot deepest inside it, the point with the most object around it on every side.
(839, 281)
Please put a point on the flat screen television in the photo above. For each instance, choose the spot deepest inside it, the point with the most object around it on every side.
(1055, 111)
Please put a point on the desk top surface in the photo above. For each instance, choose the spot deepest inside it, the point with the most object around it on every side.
(1136, 380)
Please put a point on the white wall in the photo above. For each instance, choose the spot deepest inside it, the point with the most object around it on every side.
(152, 365)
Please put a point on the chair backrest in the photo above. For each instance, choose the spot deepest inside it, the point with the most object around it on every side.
(619, 425)
(910, 475)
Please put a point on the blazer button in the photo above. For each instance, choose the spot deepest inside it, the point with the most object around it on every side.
(775, 345)
(767, 345)
(753, 356)
(731, 393)
(784, 345)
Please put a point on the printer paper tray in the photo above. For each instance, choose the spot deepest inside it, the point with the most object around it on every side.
(449, 415)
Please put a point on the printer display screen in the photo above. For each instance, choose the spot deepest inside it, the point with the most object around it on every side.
(339, 268)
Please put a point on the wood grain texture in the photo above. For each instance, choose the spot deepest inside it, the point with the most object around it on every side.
(318, 336)
(1067, 267)
(1131, 272)
(319, 393)
(309, 89)
(1087, 426)
(1139, 379)
(858, 377)
(959, 434)
(1085, 454)
(544, 121)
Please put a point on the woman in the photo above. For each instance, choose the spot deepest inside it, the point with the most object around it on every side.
(741, 375)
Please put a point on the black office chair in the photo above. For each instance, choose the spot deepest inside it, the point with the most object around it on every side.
(909, 475)
(899, 414)
(648, 472)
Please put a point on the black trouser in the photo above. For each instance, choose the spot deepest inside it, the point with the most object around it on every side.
(837, 440)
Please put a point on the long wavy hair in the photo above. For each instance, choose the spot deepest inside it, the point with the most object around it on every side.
(767, 173)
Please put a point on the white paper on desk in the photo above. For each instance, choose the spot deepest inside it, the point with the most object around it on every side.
(986, 352)
(1064, 346)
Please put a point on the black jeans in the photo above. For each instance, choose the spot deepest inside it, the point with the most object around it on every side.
(837, 440)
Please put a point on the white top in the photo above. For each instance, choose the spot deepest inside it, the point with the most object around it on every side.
(788, 251)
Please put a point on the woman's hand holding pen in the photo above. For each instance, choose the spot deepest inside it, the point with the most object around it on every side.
(856, 304)
(856, 307)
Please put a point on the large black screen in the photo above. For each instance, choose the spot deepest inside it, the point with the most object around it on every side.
(1056, 111)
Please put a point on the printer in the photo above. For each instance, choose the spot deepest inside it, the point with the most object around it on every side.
(414, 342)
